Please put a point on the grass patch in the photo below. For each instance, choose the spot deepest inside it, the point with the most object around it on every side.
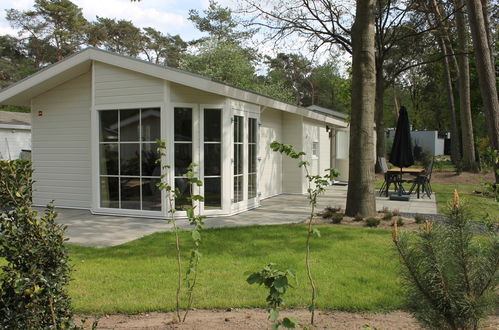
(478, 206)
(355, 269)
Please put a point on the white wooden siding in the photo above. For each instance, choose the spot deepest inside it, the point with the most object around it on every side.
(292, 175)
(115, 86)
(324, 149)
(270, 165)
(12, 141)
(61, 144)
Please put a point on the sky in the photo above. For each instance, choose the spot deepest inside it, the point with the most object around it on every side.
(167, 16)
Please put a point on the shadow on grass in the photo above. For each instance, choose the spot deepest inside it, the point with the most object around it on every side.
(247, 242)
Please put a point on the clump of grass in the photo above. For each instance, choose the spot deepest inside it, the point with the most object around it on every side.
(372, 222)
(337, 218)
(398, 220)
(396, 212)
(329, 212)
(419, 218)
(358, 218)
(388, 215)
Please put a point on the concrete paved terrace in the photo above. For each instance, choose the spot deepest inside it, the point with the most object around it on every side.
(87, 229)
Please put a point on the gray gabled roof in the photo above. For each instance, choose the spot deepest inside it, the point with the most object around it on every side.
(72, 66)
(327, 111)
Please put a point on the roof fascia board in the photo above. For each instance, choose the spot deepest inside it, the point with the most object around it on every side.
(44, 74)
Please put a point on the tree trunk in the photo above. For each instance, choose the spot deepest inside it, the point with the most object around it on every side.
(379, 115)
(486, 74)
(469, 161)
(360, 197)
(454, 142)
(486, 20)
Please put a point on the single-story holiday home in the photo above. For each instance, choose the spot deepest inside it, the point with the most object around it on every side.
(15, 135)
(96, 117)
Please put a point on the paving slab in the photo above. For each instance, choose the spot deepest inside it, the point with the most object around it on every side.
(85, 228)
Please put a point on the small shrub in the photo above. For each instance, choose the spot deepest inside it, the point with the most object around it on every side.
(329, 212)
(372, 222)
(388, 216)
(449, 274)
(358, 218)
(36, 273)
(419, 218)
(397, 220)
(396, 213)
(337, 218)
(16, 183)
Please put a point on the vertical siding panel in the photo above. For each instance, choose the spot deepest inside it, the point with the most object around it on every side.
(292, 133)
(270, 166)
(64, 126)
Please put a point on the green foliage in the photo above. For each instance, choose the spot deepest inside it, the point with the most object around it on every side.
(449, 274)
(329, 212)
(397, 220)
(316, 186)
(388, 215)
(358, 218)
(36, 275)
(277, 281)
(196, 220)
(490, 159)
(419, 218)
(372, 222)
(16, 185)
(337, 218)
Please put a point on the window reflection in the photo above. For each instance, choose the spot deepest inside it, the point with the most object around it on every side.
(128, 168)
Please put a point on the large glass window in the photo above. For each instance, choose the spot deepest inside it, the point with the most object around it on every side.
(252, 155)
(238, 159)
(182, 153)
(212, 138)
(128, 169)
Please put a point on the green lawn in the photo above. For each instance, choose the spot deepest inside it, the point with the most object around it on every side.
(355, 269)
(478, 206)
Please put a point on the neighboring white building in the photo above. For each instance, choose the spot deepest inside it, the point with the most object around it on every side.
(96, 117)
(15, 134)
(431, 141)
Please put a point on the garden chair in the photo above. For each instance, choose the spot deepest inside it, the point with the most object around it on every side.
(389, 178)
(422, 181)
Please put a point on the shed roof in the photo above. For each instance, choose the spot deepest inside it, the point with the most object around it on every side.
(15, 118)
(72, 66)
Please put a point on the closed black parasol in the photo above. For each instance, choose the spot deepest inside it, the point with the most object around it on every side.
(401, 154)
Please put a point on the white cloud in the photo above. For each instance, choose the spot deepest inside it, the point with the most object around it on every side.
(141, 14)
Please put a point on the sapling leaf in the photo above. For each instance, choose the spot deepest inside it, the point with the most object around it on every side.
(317, 232)
(196, 235)
(254, 278)
(280, 284)
(289, 322)
(273, 314)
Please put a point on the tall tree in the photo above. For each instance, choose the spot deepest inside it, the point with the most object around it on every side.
(120, 36)
(486, 73)
(468, 159)
(360, 196)
(163, 49)
(65, 25)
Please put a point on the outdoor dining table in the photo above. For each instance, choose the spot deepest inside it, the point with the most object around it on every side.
(395, 175)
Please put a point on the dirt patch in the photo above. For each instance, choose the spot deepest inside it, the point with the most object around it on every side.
(257, 319)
